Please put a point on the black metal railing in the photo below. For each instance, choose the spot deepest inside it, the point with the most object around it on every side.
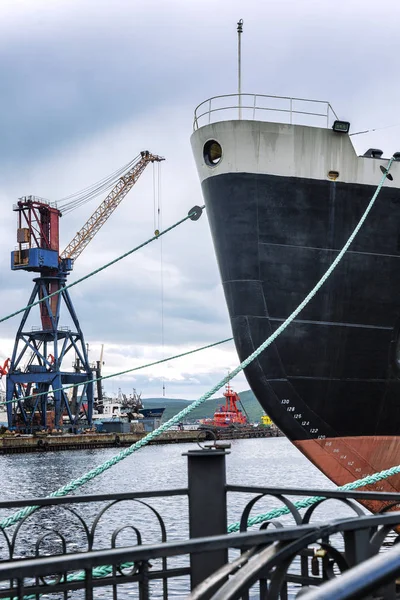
(128, 545)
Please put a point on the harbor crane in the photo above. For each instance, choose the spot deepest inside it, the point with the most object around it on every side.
(36, 373)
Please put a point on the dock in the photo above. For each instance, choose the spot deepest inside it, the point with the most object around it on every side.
(21, 443)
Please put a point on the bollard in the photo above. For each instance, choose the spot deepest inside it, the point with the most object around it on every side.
(207, 508)
(356, 544)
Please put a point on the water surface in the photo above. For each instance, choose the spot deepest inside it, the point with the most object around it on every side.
(265, 462)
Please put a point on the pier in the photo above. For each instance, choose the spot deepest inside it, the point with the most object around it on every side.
(294, 555)
(20, 443)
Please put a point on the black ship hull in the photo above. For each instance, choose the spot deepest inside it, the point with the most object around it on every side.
(330, 381)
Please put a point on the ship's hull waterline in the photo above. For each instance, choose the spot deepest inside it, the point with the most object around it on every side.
(281, 202)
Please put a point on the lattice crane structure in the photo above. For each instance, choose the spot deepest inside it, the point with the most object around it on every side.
(36, 373)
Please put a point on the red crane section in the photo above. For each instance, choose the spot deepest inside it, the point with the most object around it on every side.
(4, 368)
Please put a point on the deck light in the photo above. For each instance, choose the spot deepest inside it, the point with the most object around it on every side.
(396, 156)
(341, 126)
(373, 153)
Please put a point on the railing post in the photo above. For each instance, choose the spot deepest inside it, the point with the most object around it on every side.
(356, 546)
(207, 508)
(357, 550)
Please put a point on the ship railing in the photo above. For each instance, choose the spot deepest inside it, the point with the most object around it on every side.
(277, 109)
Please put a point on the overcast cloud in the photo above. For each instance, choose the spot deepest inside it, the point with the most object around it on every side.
(86, 85)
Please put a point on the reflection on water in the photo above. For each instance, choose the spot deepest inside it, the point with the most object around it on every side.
(267, 462)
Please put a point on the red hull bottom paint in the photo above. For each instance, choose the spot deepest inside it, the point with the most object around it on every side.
(345, 459)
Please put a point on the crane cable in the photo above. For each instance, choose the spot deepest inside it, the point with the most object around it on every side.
(77, 199)
(159, 227)
(157, 217)
(154, 200)
(106, 181)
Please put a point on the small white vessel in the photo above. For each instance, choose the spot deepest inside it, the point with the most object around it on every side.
(121, 408)
(3, 411)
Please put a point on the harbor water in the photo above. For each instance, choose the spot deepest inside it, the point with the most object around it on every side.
(266, 462)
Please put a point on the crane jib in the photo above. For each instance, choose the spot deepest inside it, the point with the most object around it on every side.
(106, 208)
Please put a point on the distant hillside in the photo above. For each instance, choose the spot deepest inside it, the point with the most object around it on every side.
(173, 406)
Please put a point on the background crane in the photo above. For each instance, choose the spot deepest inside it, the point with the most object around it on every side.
(36, 366)
(107, 207)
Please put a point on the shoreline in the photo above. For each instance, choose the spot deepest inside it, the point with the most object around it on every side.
(16, 444)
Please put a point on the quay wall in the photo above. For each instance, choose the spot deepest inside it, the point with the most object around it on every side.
(14, 443)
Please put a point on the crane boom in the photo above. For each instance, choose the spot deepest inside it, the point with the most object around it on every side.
(107, 207)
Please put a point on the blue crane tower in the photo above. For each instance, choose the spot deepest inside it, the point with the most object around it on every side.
(37, 373)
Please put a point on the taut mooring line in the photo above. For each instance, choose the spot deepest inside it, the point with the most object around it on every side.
(74, 484)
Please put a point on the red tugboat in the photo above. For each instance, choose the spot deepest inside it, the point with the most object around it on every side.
(228, 415)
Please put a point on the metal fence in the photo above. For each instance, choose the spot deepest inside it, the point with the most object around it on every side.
(282, 109)
(280, 559)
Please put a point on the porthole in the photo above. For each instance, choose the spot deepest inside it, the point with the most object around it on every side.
(212, 153)
(333, 175)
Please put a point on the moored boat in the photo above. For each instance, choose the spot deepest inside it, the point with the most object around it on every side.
(227, 415)
(284, 189)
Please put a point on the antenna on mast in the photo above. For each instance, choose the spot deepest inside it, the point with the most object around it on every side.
(240, 31)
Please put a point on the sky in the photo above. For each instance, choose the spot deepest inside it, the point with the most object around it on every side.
(86, 85)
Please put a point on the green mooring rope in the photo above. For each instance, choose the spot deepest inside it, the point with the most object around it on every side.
(152, 364)
(76, 483)
(347, 487)
(105, 570)
(70, 285)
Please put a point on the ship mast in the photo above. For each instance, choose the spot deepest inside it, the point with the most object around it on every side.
(240, 31)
